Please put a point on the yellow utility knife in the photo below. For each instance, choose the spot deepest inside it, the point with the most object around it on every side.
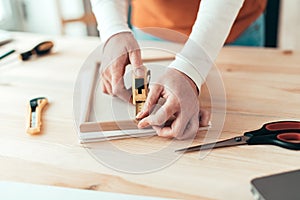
(35, 115)
(140, 89)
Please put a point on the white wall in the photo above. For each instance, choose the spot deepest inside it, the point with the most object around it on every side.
(43, 16)
(289, 26)
(12, 14)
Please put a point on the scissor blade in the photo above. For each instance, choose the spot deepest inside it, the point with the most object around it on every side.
(239, 140)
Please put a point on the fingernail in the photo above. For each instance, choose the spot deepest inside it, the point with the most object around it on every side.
(138, 116)
(139, 71)
(143, 124)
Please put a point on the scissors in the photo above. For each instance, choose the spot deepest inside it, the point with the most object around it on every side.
(285, 134)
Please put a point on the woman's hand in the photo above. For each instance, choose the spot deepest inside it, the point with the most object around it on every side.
(181, 103)
(119, 51)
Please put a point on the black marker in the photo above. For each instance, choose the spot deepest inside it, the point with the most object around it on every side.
(7, 54)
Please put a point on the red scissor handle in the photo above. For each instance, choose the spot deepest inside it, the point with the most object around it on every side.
(282, 125)
(285, 134)
(289, 137)
(276, 127)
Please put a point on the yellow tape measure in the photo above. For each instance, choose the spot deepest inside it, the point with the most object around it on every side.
(140, 89)
(34, 123)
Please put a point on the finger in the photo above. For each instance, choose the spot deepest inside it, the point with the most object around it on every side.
(152, 99)
(156, 128)
(117, 83)
(130, 92)
(176, 129)
(106, 74)
(140, 71)
(105, 64)
(119, 90)
(135, 58)
(106, 86)
(144, 123)
(191, 129)
(204, 117)
(103, 88)
(179, 129)
(117, 71)
(161, 131)
(105, 78)
(164, 113)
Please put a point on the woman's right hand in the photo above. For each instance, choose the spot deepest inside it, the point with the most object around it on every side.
(119, 51)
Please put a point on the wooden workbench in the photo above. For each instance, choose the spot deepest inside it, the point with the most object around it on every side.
(262, 85)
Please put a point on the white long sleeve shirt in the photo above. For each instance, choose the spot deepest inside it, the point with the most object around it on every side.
(211, 28)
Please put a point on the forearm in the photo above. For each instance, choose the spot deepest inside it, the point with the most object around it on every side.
(211, 28)
(213, 24)
(111, 17)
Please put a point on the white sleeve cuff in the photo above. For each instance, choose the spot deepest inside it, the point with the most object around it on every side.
(211, 28)
(188, 69)
(194, 62)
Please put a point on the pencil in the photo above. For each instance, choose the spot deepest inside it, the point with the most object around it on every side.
(7, 54)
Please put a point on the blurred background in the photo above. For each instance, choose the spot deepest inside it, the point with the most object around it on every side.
(75, 18)
(65, 17)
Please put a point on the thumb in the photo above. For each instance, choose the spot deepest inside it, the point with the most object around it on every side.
(135, 57)
(152, 99)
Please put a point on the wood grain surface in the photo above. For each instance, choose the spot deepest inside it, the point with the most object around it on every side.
(262, 85)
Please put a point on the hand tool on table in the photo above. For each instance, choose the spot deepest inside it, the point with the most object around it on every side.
(35, 115)
(40, 49)
(285, 134)
(140, 89)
